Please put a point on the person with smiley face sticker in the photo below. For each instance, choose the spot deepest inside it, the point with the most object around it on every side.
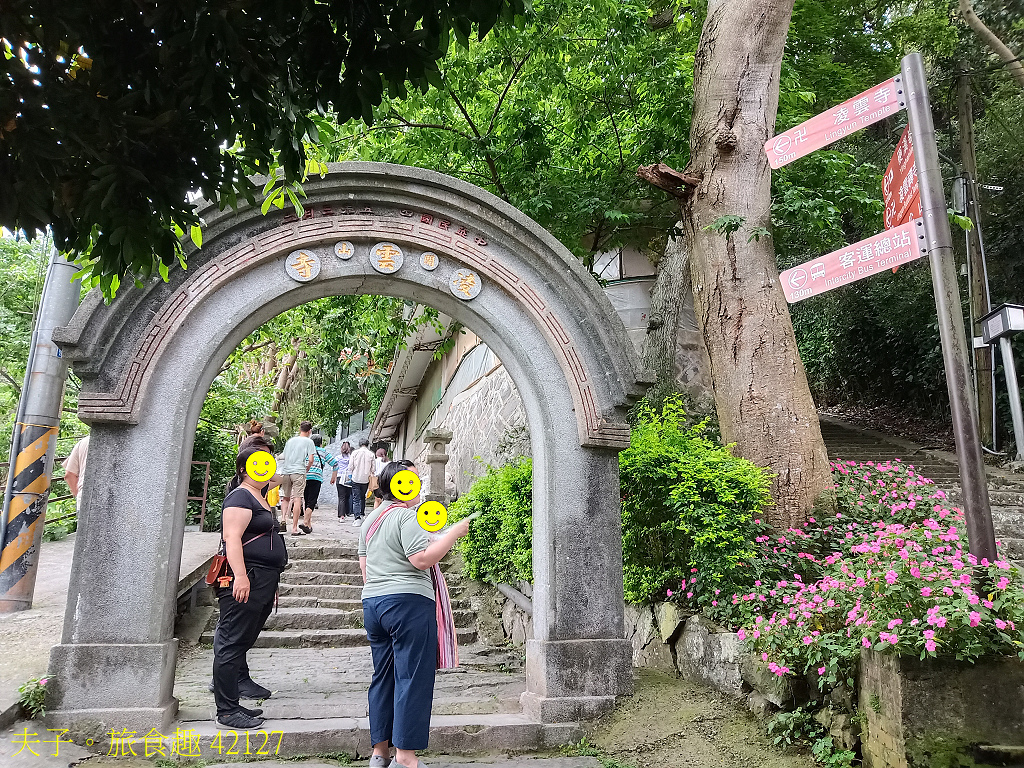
(403, 597)
(256, 556)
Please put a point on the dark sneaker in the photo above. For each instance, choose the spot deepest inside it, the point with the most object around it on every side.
(251, 712)
(239, 721)
(250, 690)
(306, 528)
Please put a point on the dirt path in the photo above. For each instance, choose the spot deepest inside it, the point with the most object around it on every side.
(672, 723)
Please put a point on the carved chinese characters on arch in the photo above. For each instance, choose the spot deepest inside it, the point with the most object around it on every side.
(380, 236)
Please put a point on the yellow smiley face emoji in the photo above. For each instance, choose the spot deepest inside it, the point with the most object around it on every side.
(432, 516)
(405, 485)
(261, 466)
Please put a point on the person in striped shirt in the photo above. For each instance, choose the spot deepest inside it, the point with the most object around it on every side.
(319, 463)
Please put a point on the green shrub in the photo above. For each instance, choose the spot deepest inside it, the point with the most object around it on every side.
(499, 545)
(688, 505)
(32, 696)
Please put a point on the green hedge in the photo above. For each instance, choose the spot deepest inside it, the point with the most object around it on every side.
(682, 497)
(498, 547)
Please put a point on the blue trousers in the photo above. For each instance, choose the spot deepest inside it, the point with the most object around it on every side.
(358, 498)
(402, 630)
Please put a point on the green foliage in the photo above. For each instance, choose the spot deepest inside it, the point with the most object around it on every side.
(107, 148)
(218, 447)
(32, 696)
(499, 544)
(685, 503)
(554, 117)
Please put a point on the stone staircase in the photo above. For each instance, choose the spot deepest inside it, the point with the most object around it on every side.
(1006, 491)
(319, 605)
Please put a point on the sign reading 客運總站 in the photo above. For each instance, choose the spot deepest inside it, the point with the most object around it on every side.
(854, 262)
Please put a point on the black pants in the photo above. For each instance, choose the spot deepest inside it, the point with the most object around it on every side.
(312, 493)
(344, 500)
(237, 630)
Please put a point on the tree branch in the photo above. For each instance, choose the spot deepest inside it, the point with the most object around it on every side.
(663, 177)
(432, 126)
(11, 381)
(662, 19)
(508, 85)
(1010, 59)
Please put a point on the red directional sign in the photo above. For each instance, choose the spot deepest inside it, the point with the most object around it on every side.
(900, 191)
(854, 262)
(821, 130)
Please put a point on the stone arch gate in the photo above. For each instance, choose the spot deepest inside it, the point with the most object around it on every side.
(148, 359)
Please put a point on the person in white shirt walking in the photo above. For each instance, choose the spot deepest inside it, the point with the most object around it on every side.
(74, 468)
(296, 460)
(360, 466)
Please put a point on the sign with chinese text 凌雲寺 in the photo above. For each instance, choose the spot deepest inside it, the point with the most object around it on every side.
(843, 119)
(900, 190)
(854, 262)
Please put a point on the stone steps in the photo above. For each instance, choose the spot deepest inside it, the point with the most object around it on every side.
(323, 591)
(322, 552)
(295, 577)
(324, 566)
(332, 618)
(449, 734)
(326, 638)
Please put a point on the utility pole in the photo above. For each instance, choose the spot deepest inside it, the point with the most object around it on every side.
(976, 267)
(939, 241)
(34, 444)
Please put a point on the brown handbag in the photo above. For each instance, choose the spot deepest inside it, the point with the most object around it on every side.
(219, 572)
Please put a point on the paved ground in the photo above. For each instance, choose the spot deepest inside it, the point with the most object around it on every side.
(29, 635)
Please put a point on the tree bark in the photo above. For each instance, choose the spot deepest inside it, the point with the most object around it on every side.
(674, 349)
(1010, 59)
(764, 403)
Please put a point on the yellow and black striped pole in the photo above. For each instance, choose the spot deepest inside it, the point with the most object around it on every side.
(34, 444)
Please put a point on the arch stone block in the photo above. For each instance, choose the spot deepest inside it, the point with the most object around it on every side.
(148, 359)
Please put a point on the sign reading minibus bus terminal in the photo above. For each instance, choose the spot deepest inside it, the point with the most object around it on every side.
(916, 224)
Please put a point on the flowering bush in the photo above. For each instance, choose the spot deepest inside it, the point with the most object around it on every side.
(889, 570)
(32, 696)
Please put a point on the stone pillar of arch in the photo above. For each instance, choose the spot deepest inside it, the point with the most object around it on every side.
(148, 359)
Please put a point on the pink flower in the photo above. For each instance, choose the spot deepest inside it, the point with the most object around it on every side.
(742, 635)
(975, 618)
(44, 681)
(891, 577)
(821, 670)
(1003, 583)
(929, 645)
(808, 640)
(1000, 624)
(929, 634)
(669, 592)
(895, 623)
(865, 642)
(926, 591)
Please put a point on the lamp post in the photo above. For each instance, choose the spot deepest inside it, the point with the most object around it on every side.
(1000, 324)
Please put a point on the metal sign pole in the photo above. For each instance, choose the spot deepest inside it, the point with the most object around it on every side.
(981, 536)
(35, 441)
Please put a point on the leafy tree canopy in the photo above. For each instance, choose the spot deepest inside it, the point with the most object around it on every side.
(114, 114)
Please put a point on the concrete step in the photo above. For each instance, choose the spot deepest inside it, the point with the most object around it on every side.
(313, 618)
(298, 601)
(320, 551)
(1008, 522)
(334, 565)
(322, 591)
(1011, 548)
(331, 618)
(325, 638)
(293, 576)
(449, 734)
(998, 497)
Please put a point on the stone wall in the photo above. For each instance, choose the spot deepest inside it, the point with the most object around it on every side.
(938, 711)
(488, 425)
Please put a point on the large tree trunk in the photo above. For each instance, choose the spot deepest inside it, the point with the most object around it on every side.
(761, 394)
(674, 349)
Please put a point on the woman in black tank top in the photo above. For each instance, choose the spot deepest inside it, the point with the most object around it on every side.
(256, 556)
